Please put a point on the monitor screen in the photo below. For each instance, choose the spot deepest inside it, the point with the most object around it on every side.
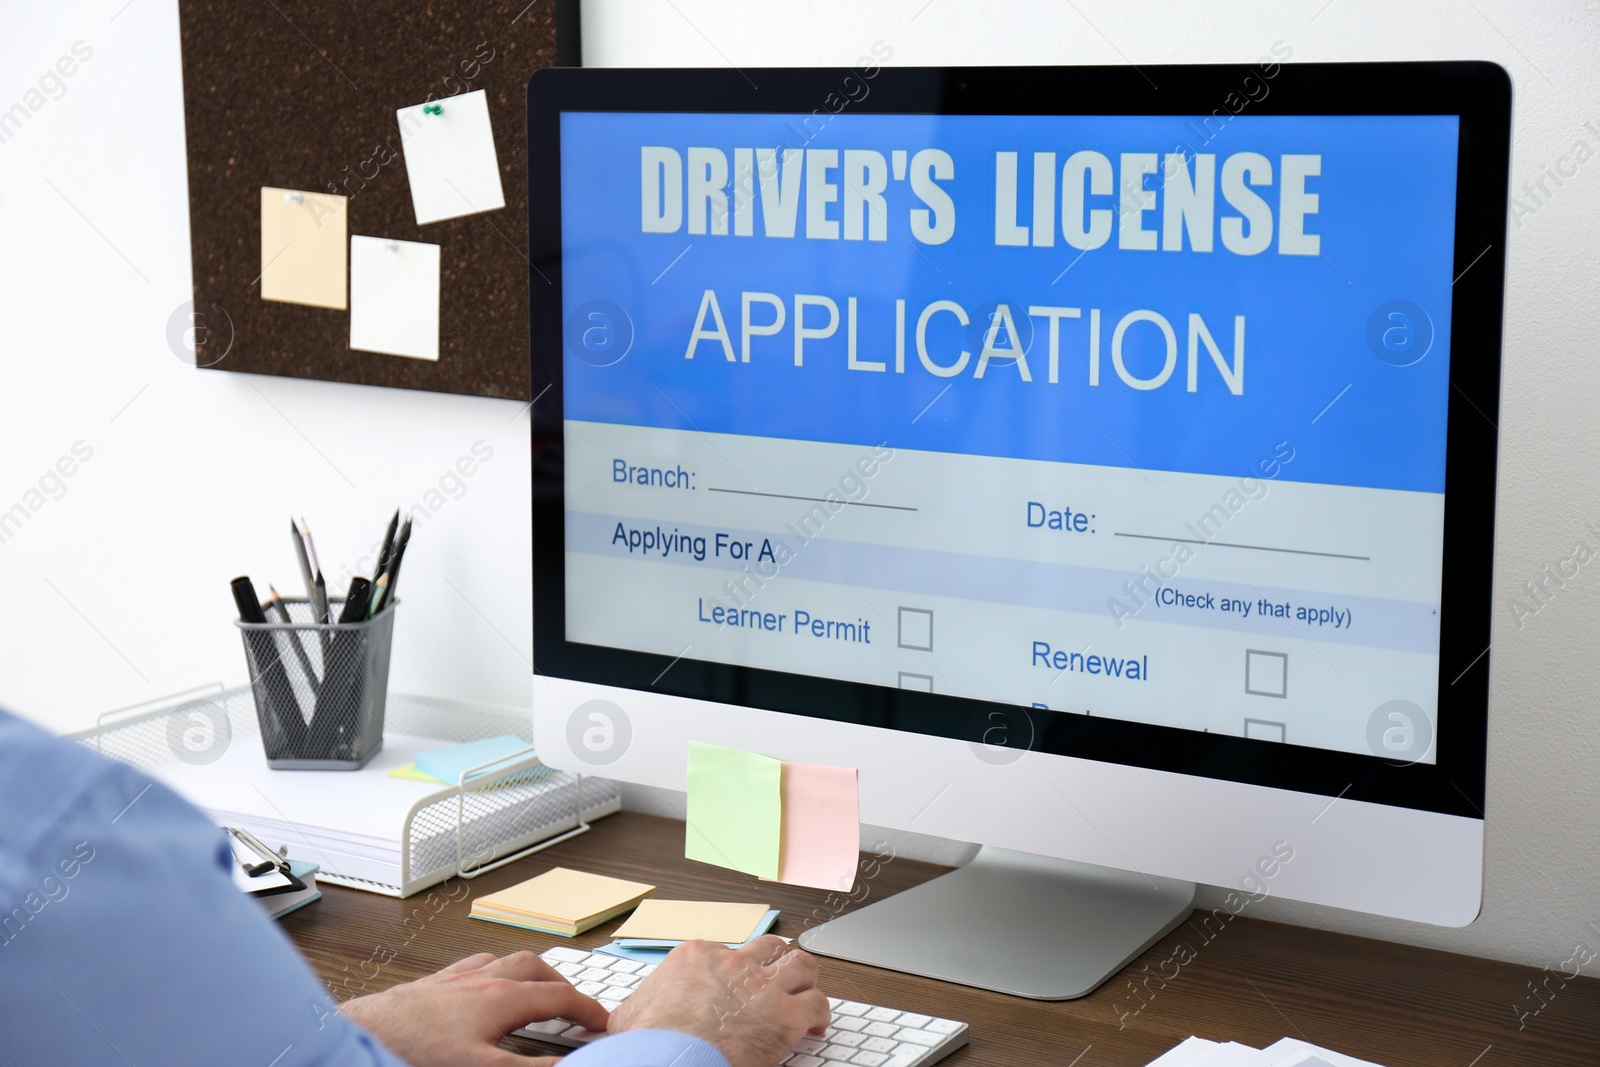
(1141, 417)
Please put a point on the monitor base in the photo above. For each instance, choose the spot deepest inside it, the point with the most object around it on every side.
(1013, 923)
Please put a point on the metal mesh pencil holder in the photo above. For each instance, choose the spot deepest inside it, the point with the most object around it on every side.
(319, 688)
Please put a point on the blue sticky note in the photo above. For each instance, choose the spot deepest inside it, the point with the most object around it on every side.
(448, 763)
(639, 955)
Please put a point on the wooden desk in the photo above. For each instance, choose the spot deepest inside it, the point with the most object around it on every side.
(1253, 981)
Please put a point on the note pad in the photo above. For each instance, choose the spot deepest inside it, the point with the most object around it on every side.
(450, 157)
(692, 920)
(394, 297)
(735, 809)
(303, 247)
(561, 901)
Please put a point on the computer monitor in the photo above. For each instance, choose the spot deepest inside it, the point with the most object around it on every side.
(1101, 459)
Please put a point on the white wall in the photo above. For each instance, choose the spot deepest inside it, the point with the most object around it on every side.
(116, 592)
(1543, 866)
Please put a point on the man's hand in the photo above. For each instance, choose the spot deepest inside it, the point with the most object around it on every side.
(459, 1015)
(753, 1003)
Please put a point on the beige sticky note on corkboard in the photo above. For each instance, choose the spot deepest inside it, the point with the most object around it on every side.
(303, 247)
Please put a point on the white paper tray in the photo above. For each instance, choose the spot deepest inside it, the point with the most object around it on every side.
(464, 830)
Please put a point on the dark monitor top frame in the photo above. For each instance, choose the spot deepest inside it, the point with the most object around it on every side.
(1479, 93)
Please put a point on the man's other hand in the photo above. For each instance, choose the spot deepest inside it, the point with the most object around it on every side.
(459, 1014)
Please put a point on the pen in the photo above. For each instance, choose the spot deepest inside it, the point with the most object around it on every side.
(384, 592)
(282, 719)
(293, 636)
(299, 538)
(388, 546)
(335, 721)
(319, 591)
(356, 601)
(400, 544)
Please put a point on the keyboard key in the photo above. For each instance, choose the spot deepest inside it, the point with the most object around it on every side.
(834, 1002)
(598, 959)
(647, 970)
(549, 1026)
(617, 993)
(850, 1007)
(943, 1026)
(870, 1059)
(919, 1021)
(594, 974)
(565, 955)
(880, 1044)
(622, 979)
(883, 1015)
(801, 1059)
(568, 969)
(925, 1038)
(626, 966)
(579, 1034)
(590, 989)
(810, 1044)
(849, 1025)
(847, 1040)
(883, 1029)
(837, 1053)
(905, 1059)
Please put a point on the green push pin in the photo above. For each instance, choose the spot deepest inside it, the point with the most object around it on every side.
(431, 109)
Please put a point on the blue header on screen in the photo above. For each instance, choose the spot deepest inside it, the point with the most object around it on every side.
(1346, 349)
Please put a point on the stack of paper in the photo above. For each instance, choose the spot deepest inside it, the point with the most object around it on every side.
(353, 824)
(561, 901)
(1198, 1052)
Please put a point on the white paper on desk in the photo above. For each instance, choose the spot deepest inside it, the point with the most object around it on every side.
(394, 297)
(450, 158)
(1231, 1054)
(1289, 1052)
(1187, 1054)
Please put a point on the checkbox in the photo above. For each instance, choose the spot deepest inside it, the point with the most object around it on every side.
(1266, 674)
(1265, 730)
(921, 682)
(916, 629)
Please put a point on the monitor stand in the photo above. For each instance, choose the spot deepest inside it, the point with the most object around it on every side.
(1012, 922)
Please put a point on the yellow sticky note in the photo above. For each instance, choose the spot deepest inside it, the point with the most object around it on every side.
(692, 920)
(304, 254)
(410, 773)
(568, 896)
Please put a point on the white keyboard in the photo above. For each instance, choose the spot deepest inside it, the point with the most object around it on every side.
(860, 1034)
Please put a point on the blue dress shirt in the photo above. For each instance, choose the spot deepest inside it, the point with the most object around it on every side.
(124, 941)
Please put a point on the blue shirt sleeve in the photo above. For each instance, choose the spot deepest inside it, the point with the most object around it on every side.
(122, 937)
(648, 1048)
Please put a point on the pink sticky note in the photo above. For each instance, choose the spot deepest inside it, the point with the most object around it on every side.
(821, 827)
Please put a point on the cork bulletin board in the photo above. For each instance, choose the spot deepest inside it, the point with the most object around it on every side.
(302, 95)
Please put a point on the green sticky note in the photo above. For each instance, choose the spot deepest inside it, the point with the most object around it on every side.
(735, 809)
